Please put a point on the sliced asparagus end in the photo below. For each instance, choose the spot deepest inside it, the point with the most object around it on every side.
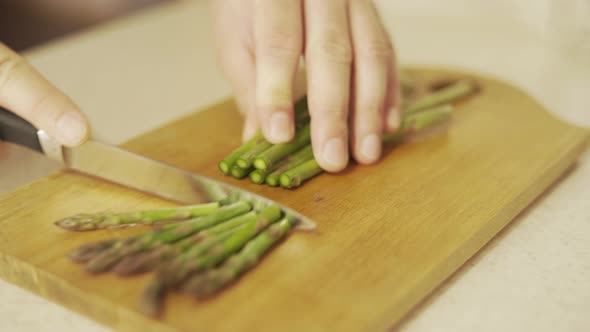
(238, 173)
(224, 167)
(243, 163)
(260, 164)
(286, 181)
(272, 180)
(257, 177)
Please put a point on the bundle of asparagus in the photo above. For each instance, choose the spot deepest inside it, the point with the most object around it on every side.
(290, 164)
(204, 250)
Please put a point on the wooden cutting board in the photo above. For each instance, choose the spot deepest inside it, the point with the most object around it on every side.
(387, 234)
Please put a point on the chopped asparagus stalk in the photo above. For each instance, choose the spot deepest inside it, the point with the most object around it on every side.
(257, 176)
(296, 159)
(212, 281)
(295, 176)
(228, 162)
(415, 122)
(268, 158)
(89, 222)
(239, 173)
(246, 159)
(442, 96)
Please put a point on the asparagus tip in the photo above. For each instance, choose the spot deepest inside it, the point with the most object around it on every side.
(152, 299)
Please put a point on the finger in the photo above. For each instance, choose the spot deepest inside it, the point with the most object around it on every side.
(393, 101)
(278, 46)
(251, 126)
(373, 54)
(26, 93)
(328, 56)
(236, 54)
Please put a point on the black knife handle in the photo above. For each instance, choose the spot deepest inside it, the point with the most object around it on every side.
(17, 130)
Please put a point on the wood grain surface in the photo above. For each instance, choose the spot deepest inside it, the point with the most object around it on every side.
(387, 234)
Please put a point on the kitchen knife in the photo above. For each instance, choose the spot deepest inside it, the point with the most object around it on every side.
(130, 170)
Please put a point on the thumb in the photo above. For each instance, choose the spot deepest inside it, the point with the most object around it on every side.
(26, 93)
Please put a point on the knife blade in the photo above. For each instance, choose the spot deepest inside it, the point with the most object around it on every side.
(131, 170)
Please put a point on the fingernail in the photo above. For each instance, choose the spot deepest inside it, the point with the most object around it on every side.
(371, 147)
(281, 130)
(335, 153)
(393, 119)
(71, 127)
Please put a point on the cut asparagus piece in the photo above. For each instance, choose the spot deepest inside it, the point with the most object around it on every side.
(90, 222)
(226, 164)
(246, 159)
(295, 176)
(296, 159)
(268, 158)
(258, 176)
(415, 122)
(194, 261)
(167, 234)
(443, 96)
(148, 260)
(240, 173)
(210, 282)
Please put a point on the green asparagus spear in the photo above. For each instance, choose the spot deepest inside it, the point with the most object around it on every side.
(258, 176)
(240, 173)
(194, 260)
(89, 222)
(167, 234)
(228, 162)
(146, 261)
(295, 176)
(440, 97)
(246, 159)
(277, 152)
(296, 159)
(210, 282)
(415, 122)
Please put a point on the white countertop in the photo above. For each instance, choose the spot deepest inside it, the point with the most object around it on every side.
(159, 65)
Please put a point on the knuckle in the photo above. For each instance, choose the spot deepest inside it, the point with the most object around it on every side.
(378, 49)
(333, 46)
(331, 115)
(372, 106)
(39, 110)
(278, 44)
(8, 67)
